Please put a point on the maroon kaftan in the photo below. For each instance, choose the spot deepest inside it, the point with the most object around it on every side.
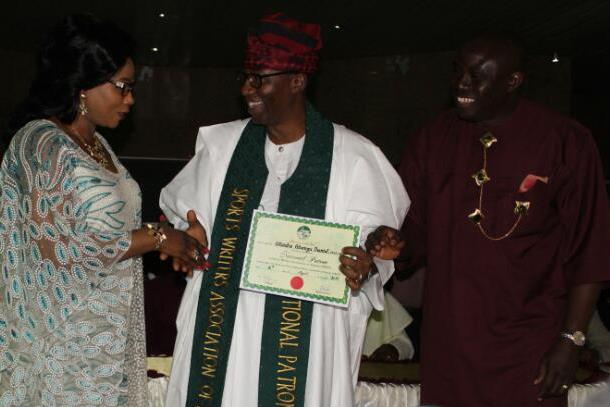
(491, 309)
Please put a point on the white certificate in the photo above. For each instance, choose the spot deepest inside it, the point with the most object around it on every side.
(297, 257)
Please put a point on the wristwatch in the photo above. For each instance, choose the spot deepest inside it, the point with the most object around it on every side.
(577, 337)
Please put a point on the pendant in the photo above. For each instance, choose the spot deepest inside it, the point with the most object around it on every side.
(476, 216)
(480, 177)
(521, 207)
(488, 139)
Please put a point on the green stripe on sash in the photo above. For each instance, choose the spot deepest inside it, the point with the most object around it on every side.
(303, 194)
(286, 329)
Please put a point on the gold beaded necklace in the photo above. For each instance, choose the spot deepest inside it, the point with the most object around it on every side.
(96, 150)
(481, 177)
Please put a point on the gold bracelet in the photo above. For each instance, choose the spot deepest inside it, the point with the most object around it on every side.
(156, 231)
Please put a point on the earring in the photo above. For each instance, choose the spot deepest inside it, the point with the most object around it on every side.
(82, 108)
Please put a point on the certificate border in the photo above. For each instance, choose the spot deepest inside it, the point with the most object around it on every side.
(245, 283)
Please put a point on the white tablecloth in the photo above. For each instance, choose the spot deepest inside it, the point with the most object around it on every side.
(386, 395)
(400, 395)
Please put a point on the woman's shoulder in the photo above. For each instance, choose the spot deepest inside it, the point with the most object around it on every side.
(41, 140)
(39, 132)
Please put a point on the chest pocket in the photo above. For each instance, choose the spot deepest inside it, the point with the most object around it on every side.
(499, 201)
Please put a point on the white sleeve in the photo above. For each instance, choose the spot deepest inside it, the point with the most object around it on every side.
(187, 191)
(376, 197)
(388, 327)
(199, 184)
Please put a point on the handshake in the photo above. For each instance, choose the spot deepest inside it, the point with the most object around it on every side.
(186, 248)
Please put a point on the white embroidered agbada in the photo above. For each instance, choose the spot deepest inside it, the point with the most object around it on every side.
(363, 189)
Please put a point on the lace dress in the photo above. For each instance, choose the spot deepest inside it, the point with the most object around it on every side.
(71, 314)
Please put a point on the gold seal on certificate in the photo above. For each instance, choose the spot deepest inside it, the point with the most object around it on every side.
(297, 257)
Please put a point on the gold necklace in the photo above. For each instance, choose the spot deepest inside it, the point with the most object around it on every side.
(481, 177)
(95, 150)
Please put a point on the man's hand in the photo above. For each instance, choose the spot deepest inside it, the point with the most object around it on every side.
(197, 232)
(557, 369)
(357, 265)
(195, 229)
(384, 243)
(559, 364)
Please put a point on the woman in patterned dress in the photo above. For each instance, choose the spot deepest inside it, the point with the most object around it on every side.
(71, 298)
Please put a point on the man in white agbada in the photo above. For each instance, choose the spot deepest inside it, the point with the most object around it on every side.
(360, 187)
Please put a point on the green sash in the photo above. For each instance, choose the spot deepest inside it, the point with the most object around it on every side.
(285, 340)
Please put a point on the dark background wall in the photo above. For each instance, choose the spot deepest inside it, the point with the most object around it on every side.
(384, 74)
(384, 98)
(591, 100)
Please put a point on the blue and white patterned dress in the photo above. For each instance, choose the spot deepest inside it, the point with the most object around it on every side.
(71, 314)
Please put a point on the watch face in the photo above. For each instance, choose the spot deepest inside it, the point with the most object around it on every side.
(579, 338)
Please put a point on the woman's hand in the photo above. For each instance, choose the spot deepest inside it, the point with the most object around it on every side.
(186, 252)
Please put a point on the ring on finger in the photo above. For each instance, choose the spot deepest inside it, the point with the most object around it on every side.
(196, 255)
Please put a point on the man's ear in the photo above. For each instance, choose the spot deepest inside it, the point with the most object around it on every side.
(515, 80)
(299, 82)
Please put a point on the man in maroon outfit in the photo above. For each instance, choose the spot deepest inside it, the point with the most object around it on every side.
(510, 216)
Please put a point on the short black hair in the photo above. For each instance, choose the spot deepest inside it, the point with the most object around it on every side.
(80, 52)
(509, 41)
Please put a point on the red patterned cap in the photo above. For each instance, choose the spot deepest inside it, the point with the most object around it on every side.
(284, 44)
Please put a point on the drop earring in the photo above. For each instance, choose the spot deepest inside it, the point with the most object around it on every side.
(82, 108)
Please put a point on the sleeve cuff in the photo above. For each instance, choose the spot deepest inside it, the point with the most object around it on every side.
(373, 288)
